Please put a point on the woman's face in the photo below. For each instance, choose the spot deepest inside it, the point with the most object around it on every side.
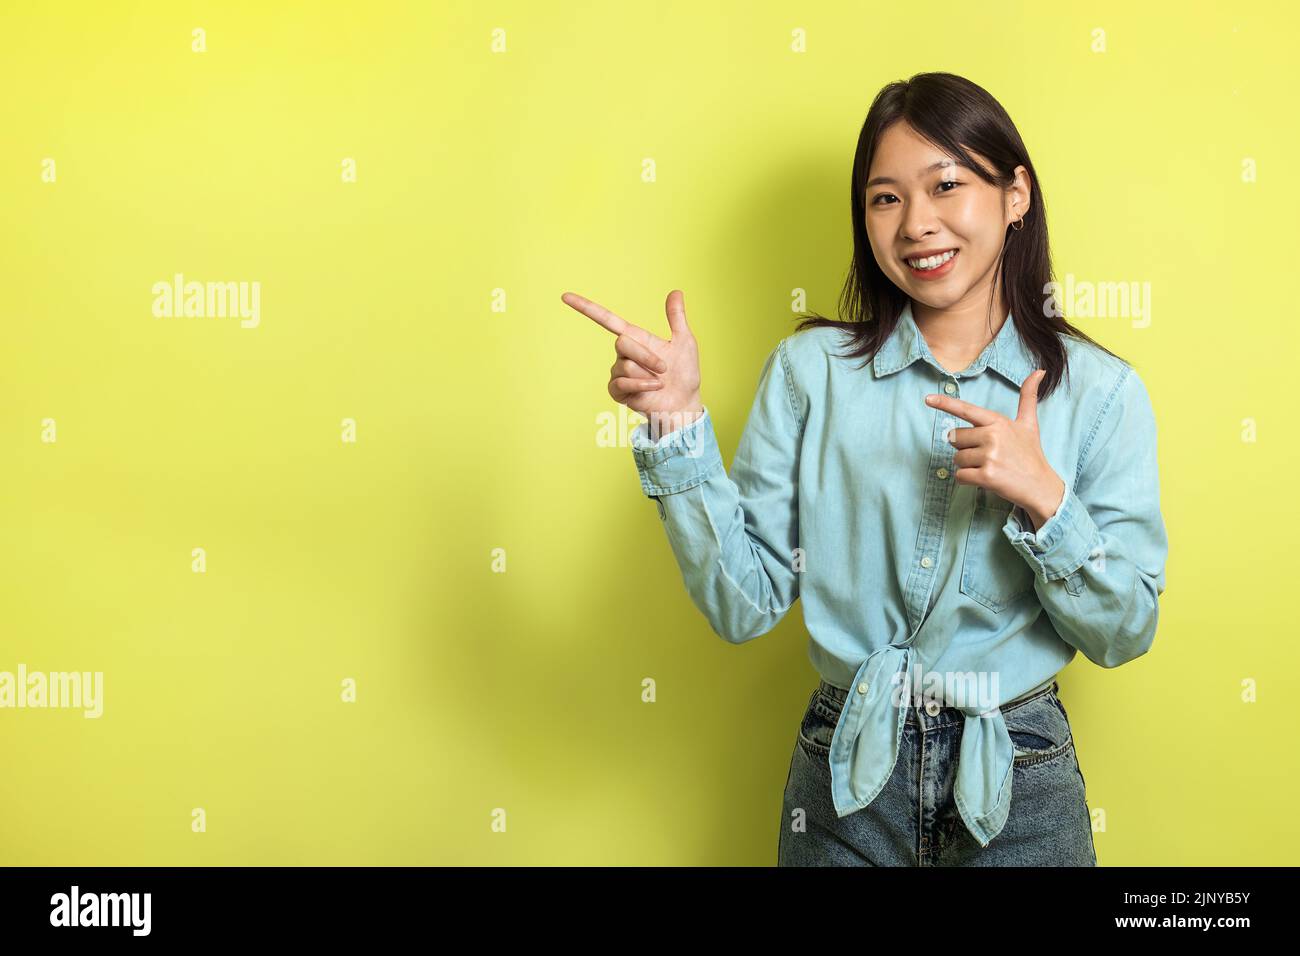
(921, 203)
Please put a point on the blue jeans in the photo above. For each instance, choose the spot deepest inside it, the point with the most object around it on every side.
(913, 820)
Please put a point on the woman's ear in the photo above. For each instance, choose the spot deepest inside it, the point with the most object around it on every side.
(1019, 192)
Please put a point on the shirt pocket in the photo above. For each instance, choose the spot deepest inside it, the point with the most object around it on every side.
(992, 571)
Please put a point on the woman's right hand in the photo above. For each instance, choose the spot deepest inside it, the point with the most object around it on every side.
(660, 378)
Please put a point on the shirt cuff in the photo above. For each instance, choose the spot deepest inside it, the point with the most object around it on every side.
(1061, 545)
(679, 460)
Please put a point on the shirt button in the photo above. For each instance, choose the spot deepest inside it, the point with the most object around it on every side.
(932, 708)
(926, 562)
(942, 472)
(950, 388)
(862, 688)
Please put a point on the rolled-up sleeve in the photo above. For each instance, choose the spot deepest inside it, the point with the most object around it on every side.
(1099, 561)
(735, 535)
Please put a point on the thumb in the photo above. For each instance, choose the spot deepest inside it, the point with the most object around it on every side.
(676, 309)
(1028, 411)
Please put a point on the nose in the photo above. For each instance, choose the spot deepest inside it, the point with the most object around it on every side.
(918, 220)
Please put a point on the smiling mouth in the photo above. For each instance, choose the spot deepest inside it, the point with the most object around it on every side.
(933, 263)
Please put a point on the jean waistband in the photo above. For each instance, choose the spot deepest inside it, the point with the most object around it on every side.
(839, 694)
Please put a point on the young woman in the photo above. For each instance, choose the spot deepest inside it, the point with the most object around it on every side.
(960, 511)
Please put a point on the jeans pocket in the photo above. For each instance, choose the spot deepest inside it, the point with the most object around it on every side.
(1038, 729)
(817, 729)
(993, 572)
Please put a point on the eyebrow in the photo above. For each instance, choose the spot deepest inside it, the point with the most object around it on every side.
(881, 180)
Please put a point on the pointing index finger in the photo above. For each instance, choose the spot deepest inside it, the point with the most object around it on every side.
(963, 410)
(598, 313)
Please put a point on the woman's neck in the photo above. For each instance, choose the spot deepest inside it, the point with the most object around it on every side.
(956, 336)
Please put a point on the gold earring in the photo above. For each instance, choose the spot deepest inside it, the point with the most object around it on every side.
(1018, 224)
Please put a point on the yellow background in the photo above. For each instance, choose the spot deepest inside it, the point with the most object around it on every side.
(478, 429)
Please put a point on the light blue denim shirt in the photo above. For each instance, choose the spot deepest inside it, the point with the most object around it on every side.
(841, 492)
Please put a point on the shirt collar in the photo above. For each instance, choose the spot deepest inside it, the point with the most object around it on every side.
(1007, 354)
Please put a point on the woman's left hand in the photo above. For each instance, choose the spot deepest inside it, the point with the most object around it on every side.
(1005, 455)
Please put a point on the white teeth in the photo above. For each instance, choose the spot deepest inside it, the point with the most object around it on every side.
(933, 262)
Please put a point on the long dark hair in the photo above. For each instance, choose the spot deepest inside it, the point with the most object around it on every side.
(955, 115)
